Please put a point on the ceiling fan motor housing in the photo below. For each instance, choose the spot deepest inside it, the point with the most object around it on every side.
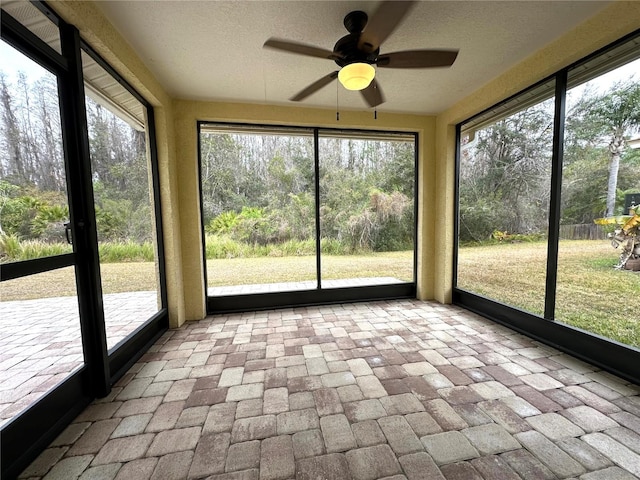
(347, 46)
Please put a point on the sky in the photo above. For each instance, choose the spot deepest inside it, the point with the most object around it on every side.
(12, 61)
(603, 82)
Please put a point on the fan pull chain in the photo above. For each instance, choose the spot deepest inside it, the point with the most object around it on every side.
(337, 103)
(375, 114)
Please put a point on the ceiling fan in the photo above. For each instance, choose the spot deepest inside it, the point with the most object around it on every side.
(357, 52)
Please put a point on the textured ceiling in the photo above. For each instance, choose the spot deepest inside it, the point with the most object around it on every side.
(212, 50)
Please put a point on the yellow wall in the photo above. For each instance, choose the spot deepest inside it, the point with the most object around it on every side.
(177, 147)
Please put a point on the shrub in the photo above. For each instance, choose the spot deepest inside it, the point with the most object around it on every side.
(332, 246)
(480, 219)
(223, 223)
(10, 248)
(254, 227)
(222, 246)
(298, 248)
(114, 252)
(14, 249)
(112, 218)
(37, 249)
(49, 219)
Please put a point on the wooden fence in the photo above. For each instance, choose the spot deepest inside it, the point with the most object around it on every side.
(584, 231)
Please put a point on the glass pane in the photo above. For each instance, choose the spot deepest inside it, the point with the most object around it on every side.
(258, 209)
(367, 223)
(598, 289)
(505, 172)
(36, 21)
(40, 343)
(33, 195)
(123, 202)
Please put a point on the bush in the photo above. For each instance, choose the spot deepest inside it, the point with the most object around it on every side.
(223, 223)
(18, 215)
(222, 246)
(37, 249)
(332, 246)
(10, 248)
(254, 227)
(49, 218)
(480, 219)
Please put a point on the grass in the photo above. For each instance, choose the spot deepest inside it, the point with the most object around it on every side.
(590, 294)
(116, 278)
(141, 276)
(249, 271)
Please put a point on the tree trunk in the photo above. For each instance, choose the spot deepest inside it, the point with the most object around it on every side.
(15, 168)
(615, 149)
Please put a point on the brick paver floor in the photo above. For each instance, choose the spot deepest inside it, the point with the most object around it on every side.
(40, 342)
(385, 390)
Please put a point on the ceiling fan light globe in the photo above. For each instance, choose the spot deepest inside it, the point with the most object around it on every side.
(356, 76)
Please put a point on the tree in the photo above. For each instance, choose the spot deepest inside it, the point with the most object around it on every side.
(504, 175)
(617, 114)
(11, 134)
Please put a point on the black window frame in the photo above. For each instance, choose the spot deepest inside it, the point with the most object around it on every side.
(319, 295)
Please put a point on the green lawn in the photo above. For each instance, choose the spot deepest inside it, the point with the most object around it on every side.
(591, 294)
(249, 271)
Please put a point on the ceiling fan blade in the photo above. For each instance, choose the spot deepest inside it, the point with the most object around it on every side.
(382, 23)
(417, 59)
(300, 48)
(314, 87)
(373, 94)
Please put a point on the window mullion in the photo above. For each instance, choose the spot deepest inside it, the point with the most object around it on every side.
(316, 168)
(556, 189)
(76, 150)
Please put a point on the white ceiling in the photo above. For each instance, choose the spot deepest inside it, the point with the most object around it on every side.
(212, 50)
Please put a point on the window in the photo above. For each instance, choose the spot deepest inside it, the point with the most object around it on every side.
(279, 217)
(124, 201)
(504, 181)
(547, 181)
(601, 168)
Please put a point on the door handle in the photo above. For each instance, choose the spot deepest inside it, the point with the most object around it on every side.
(68, 232)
